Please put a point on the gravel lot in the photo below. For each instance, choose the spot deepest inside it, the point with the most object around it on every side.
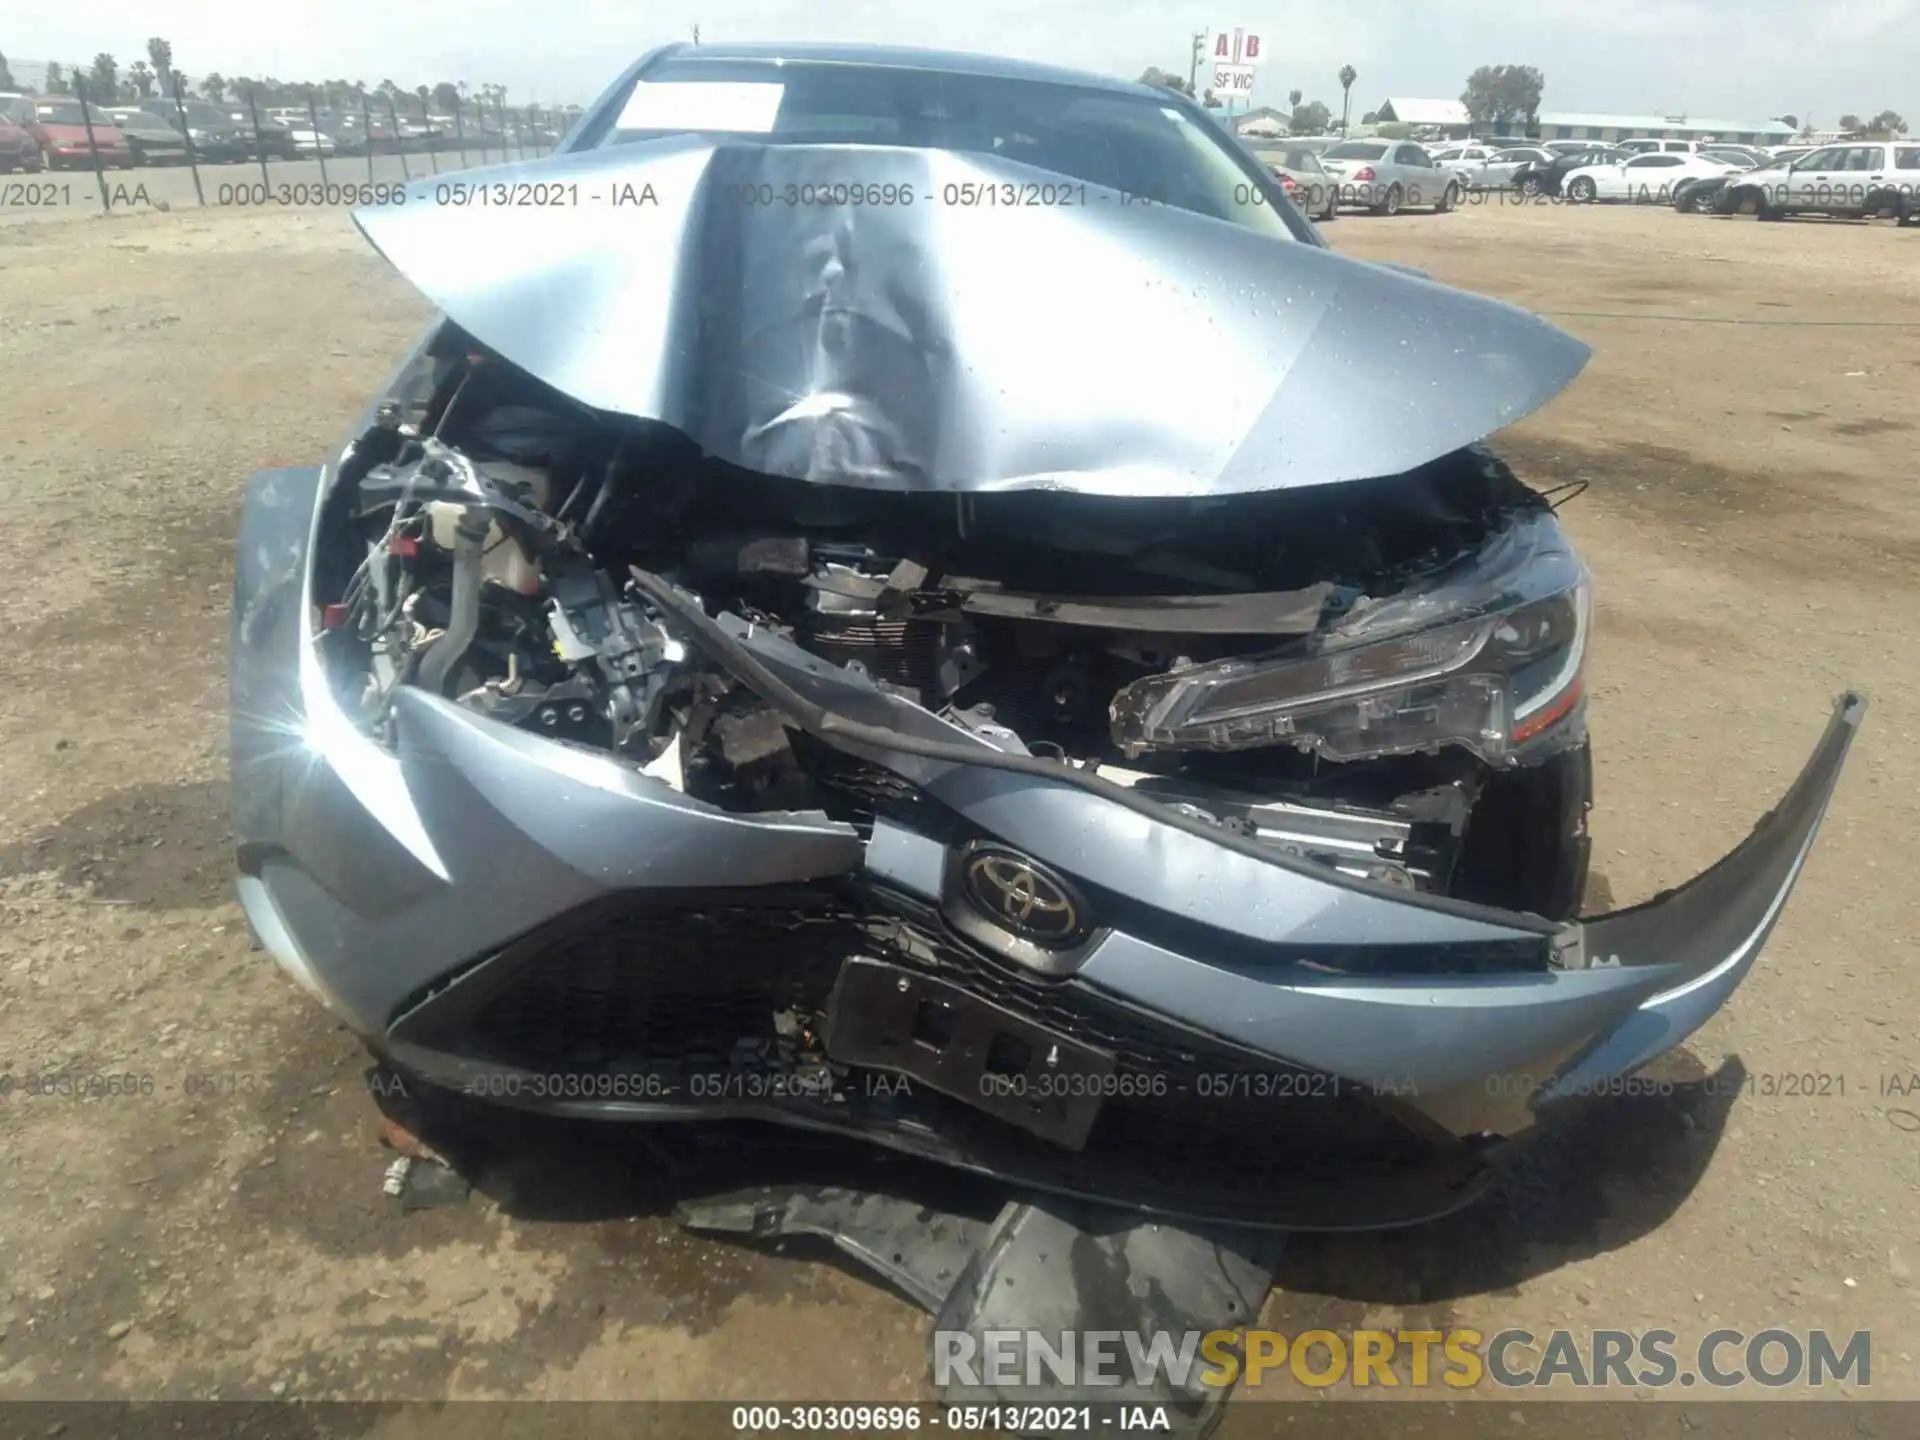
(1749, 431)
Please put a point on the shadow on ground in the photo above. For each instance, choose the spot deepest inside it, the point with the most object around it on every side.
(1594, 1184)
(153, 847)
(539, 1168)
(1599, 1183)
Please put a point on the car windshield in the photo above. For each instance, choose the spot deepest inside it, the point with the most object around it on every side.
(1120, 141)
(1357, 150)
(68, 113)
(1302, 160)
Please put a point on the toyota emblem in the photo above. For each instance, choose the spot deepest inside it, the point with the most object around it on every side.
(1024, 897)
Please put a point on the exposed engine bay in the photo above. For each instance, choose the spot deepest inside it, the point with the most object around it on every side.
(852, 667)
(1382, 677)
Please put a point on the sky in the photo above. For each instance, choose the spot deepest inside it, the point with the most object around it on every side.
(1736, 59)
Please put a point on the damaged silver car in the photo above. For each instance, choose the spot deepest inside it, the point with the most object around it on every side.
(913, 596)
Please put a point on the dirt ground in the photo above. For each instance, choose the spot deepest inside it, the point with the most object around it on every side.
(1749, 431)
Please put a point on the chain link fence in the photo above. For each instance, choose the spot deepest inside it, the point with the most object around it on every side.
(243, 151)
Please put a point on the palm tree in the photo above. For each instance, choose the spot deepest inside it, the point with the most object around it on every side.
(103, 81)
(160, 52)
(1347, 76)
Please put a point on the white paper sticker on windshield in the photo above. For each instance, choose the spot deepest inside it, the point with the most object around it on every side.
(739, 106)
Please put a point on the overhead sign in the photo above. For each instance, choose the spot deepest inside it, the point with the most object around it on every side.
(1237, 47)
(1232, 81)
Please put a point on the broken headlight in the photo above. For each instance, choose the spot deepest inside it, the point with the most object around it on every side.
(1485, 654)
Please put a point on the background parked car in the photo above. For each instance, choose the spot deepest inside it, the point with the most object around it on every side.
(348, 137)
(1461, 154)
(1318, 144)
(70, 137)
(1305, 179)
(1499, 170)
(1549, 178)
(152, 141)
(1712, 194)
(1385, 175)
(1856, 179)
(1647, 178)
(309, 141)
(18, 149)
(273, 138)
(1646, 145)
(19, 109)
(1748, 155)
(215, 137)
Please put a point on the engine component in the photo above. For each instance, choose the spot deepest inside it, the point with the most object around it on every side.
(470, 528)
(1479, 627)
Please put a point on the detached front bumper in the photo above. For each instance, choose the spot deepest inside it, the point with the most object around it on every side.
(1233, 1036)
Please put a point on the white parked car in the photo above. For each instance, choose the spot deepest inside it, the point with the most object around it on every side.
(309, 141)
(1861, 178)
(1743, 155)
(1385, 175)
(1503, 167)
(1488, 167)
(1647, 145)
(1648, 179)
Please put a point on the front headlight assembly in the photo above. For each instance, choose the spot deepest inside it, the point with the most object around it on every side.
(1486, 654)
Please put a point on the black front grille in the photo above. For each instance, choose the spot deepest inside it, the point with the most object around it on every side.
(742, 989)
(650, 987)
(1201, 1103)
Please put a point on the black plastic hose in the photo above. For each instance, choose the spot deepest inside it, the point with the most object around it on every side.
(463, 621)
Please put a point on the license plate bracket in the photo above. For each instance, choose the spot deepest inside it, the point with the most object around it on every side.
(886, 1017)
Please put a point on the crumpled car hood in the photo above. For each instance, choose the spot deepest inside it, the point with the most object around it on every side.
(1105, 344)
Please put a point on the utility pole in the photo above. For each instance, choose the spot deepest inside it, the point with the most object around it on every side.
(1193, 70)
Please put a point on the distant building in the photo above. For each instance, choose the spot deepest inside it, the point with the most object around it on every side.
(1270, 114)
(1581, 125)
(1448, 117)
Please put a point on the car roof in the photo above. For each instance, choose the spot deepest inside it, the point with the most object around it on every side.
(905, 57)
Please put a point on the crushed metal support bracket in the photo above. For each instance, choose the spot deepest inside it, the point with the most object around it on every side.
(920, 1251)
(1043, 1267)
